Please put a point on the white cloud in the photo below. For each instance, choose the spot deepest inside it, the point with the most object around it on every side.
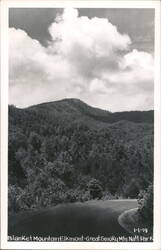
(93, 36)
(87, 59)
(135, 74)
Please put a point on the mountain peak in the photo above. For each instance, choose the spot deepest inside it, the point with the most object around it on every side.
(71, 100)
(72, 109)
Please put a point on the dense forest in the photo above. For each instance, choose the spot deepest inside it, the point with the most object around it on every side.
(67, 151)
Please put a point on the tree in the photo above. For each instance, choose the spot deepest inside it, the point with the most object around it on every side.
(35, 141)
(95, 189)
(145, 201)
(131, 189)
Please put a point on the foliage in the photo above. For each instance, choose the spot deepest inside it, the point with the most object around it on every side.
(145, 201)
(67, 151)
(95, 189)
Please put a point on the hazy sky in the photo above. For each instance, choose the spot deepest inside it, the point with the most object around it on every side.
(101, 56)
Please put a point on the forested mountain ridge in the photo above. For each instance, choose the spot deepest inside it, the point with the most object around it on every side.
(60, 151)
(75, 111)
(75, 108)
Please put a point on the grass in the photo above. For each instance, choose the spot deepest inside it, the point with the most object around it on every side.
(91, 218)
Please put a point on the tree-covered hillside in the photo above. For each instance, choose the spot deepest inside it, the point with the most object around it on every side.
(67, 151)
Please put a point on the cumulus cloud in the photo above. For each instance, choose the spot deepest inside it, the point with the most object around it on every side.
(87, 59)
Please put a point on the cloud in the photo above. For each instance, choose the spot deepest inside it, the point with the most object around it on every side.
(87, 59)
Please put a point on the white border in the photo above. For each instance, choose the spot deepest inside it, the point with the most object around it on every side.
(4, 124)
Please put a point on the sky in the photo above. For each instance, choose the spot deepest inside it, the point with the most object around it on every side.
(102, 56)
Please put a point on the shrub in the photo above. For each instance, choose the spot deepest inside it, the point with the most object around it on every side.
(109, 196)
(95, 189)
(145, 202)
(15, 201)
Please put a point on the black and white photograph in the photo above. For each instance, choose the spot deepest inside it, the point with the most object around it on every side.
(81, 132)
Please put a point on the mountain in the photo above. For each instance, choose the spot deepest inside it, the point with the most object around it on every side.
(75, 111)
(58, 150)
